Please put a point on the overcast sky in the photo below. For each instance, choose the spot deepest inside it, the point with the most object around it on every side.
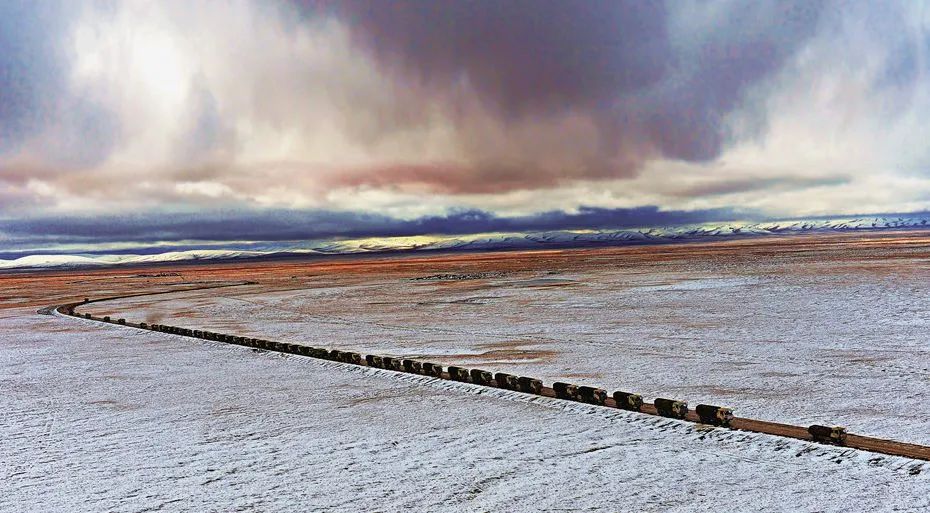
(409, 109)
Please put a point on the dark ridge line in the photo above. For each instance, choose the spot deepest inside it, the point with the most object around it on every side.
(712, 415)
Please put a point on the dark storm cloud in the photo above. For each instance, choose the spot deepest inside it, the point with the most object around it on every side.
(30, 67)
(714, 65)
(657, 78)
(307, 225)
(523, 55)
(35, 97)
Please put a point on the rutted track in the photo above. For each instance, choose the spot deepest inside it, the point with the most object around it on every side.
(705, 414)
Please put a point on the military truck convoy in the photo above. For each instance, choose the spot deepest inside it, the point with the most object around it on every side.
(671, 408)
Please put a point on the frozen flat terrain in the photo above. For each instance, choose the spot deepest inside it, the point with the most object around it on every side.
(103, 418)
(798, 333)
(828, 330)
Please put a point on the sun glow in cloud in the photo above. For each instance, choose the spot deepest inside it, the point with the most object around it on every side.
(142, 74)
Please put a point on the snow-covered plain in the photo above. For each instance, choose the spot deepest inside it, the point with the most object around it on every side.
(106, 418)
(797, 334)
(101, 417)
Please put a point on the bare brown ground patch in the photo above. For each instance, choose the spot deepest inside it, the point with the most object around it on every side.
(777, 374)
(509, 344)
(584, 375)
(113, 405)
(724, 391)
(501, 356)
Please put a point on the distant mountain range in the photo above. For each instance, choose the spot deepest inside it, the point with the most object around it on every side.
(477, 242)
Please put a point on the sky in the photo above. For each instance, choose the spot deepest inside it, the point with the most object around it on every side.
(356, 117)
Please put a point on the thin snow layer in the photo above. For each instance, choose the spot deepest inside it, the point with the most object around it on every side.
(809, 340)
(108, 418)
(77, 261)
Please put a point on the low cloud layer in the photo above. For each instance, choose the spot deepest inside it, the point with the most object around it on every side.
(281, 225)
(411, 108)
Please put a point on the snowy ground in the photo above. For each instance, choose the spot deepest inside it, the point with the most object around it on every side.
(103, 418)
(810, 334)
